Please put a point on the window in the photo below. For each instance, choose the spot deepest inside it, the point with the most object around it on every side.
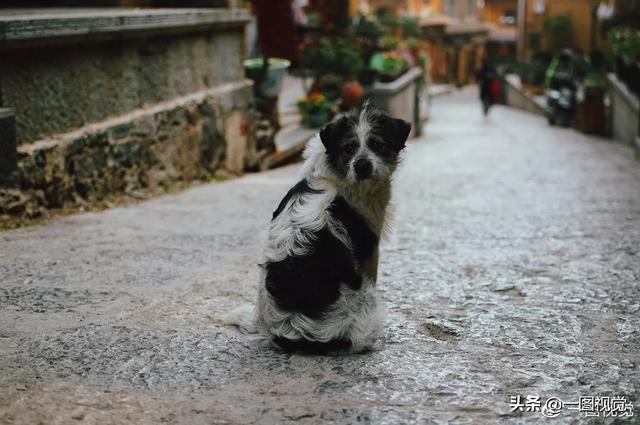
(471, 7)
(450, 8)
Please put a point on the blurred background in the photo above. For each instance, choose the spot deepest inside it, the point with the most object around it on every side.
(136, 97)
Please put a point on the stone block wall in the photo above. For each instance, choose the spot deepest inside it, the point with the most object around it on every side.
(185, 139)
(55, 82)
(100, 102)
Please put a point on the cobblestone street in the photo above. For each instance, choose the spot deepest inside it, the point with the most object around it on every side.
(513, 268)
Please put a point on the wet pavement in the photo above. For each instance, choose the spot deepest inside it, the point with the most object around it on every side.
(513, 268)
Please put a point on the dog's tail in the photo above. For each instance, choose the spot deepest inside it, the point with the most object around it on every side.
(244, 317)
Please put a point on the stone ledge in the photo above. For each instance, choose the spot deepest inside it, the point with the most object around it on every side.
(625, 107)
(26, 26)
(517, 97)
(396, 85)
(118, 123)
(617, 85)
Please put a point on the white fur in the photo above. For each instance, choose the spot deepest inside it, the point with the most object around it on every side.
(243, 317)
(356, 316)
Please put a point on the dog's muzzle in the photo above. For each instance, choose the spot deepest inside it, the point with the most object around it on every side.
(363, 169)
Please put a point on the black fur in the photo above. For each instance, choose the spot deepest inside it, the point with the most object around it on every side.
(311, 347)
(309, 284)
(301, 187)
(392, 133)
(386, 138)
(363, 240)
(340, 143)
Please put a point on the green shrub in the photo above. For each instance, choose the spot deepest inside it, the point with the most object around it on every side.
(410, 26)
(333, 55)
(557, 31)
(388, 64)
(625, 43)
(532, 72)
(388, 42)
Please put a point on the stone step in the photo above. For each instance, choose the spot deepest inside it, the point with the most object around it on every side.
(290, 142)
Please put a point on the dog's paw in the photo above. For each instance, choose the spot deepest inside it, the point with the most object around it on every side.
(243, 316)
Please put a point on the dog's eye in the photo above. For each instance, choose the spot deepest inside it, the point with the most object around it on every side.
(376, 144)
(349, 149)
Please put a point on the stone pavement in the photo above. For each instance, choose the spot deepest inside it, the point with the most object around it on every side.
(513, 268)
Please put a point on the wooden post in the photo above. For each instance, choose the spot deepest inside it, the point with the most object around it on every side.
(521, 45)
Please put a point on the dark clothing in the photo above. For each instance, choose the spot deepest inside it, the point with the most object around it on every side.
(485, 76)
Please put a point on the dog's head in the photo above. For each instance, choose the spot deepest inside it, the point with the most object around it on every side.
(364, 145)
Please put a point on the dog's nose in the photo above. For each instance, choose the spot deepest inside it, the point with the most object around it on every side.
(363, 169)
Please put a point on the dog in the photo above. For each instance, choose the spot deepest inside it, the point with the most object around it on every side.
(317, 289)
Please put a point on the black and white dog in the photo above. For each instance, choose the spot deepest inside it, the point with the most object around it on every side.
(317, 291)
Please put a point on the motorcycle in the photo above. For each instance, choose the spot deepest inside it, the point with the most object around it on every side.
(561, 104)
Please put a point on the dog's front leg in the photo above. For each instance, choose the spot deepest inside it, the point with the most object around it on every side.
(370, 265)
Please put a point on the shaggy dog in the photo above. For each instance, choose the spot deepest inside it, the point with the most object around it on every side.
(317, 291)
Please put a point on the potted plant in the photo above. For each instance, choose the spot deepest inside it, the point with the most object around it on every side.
(335, 62)
(330, 85)
(389, 65)
(267, 75)
(316, 109)
(350, 95)
(367, 35)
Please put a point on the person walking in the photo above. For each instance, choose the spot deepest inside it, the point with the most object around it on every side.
(485, 77)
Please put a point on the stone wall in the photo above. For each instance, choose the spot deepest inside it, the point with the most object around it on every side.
(55, 82)
(95, 104)
(185, 139)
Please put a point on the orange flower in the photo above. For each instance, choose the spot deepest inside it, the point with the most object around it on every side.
(316, 97)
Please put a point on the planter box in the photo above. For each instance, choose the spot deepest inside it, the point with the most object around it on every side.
(590, 113)
(401, 98)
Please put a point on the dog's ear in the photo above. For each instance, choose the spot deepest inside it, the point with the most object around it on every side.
(400, 130)
(332, 133)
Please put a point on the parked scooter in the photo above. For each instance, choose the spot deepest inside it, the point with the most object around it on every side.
(563, 74)
(561, 104)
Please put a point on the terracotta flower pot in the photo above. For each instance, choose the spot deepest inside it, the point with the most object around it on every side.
(351, 95)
